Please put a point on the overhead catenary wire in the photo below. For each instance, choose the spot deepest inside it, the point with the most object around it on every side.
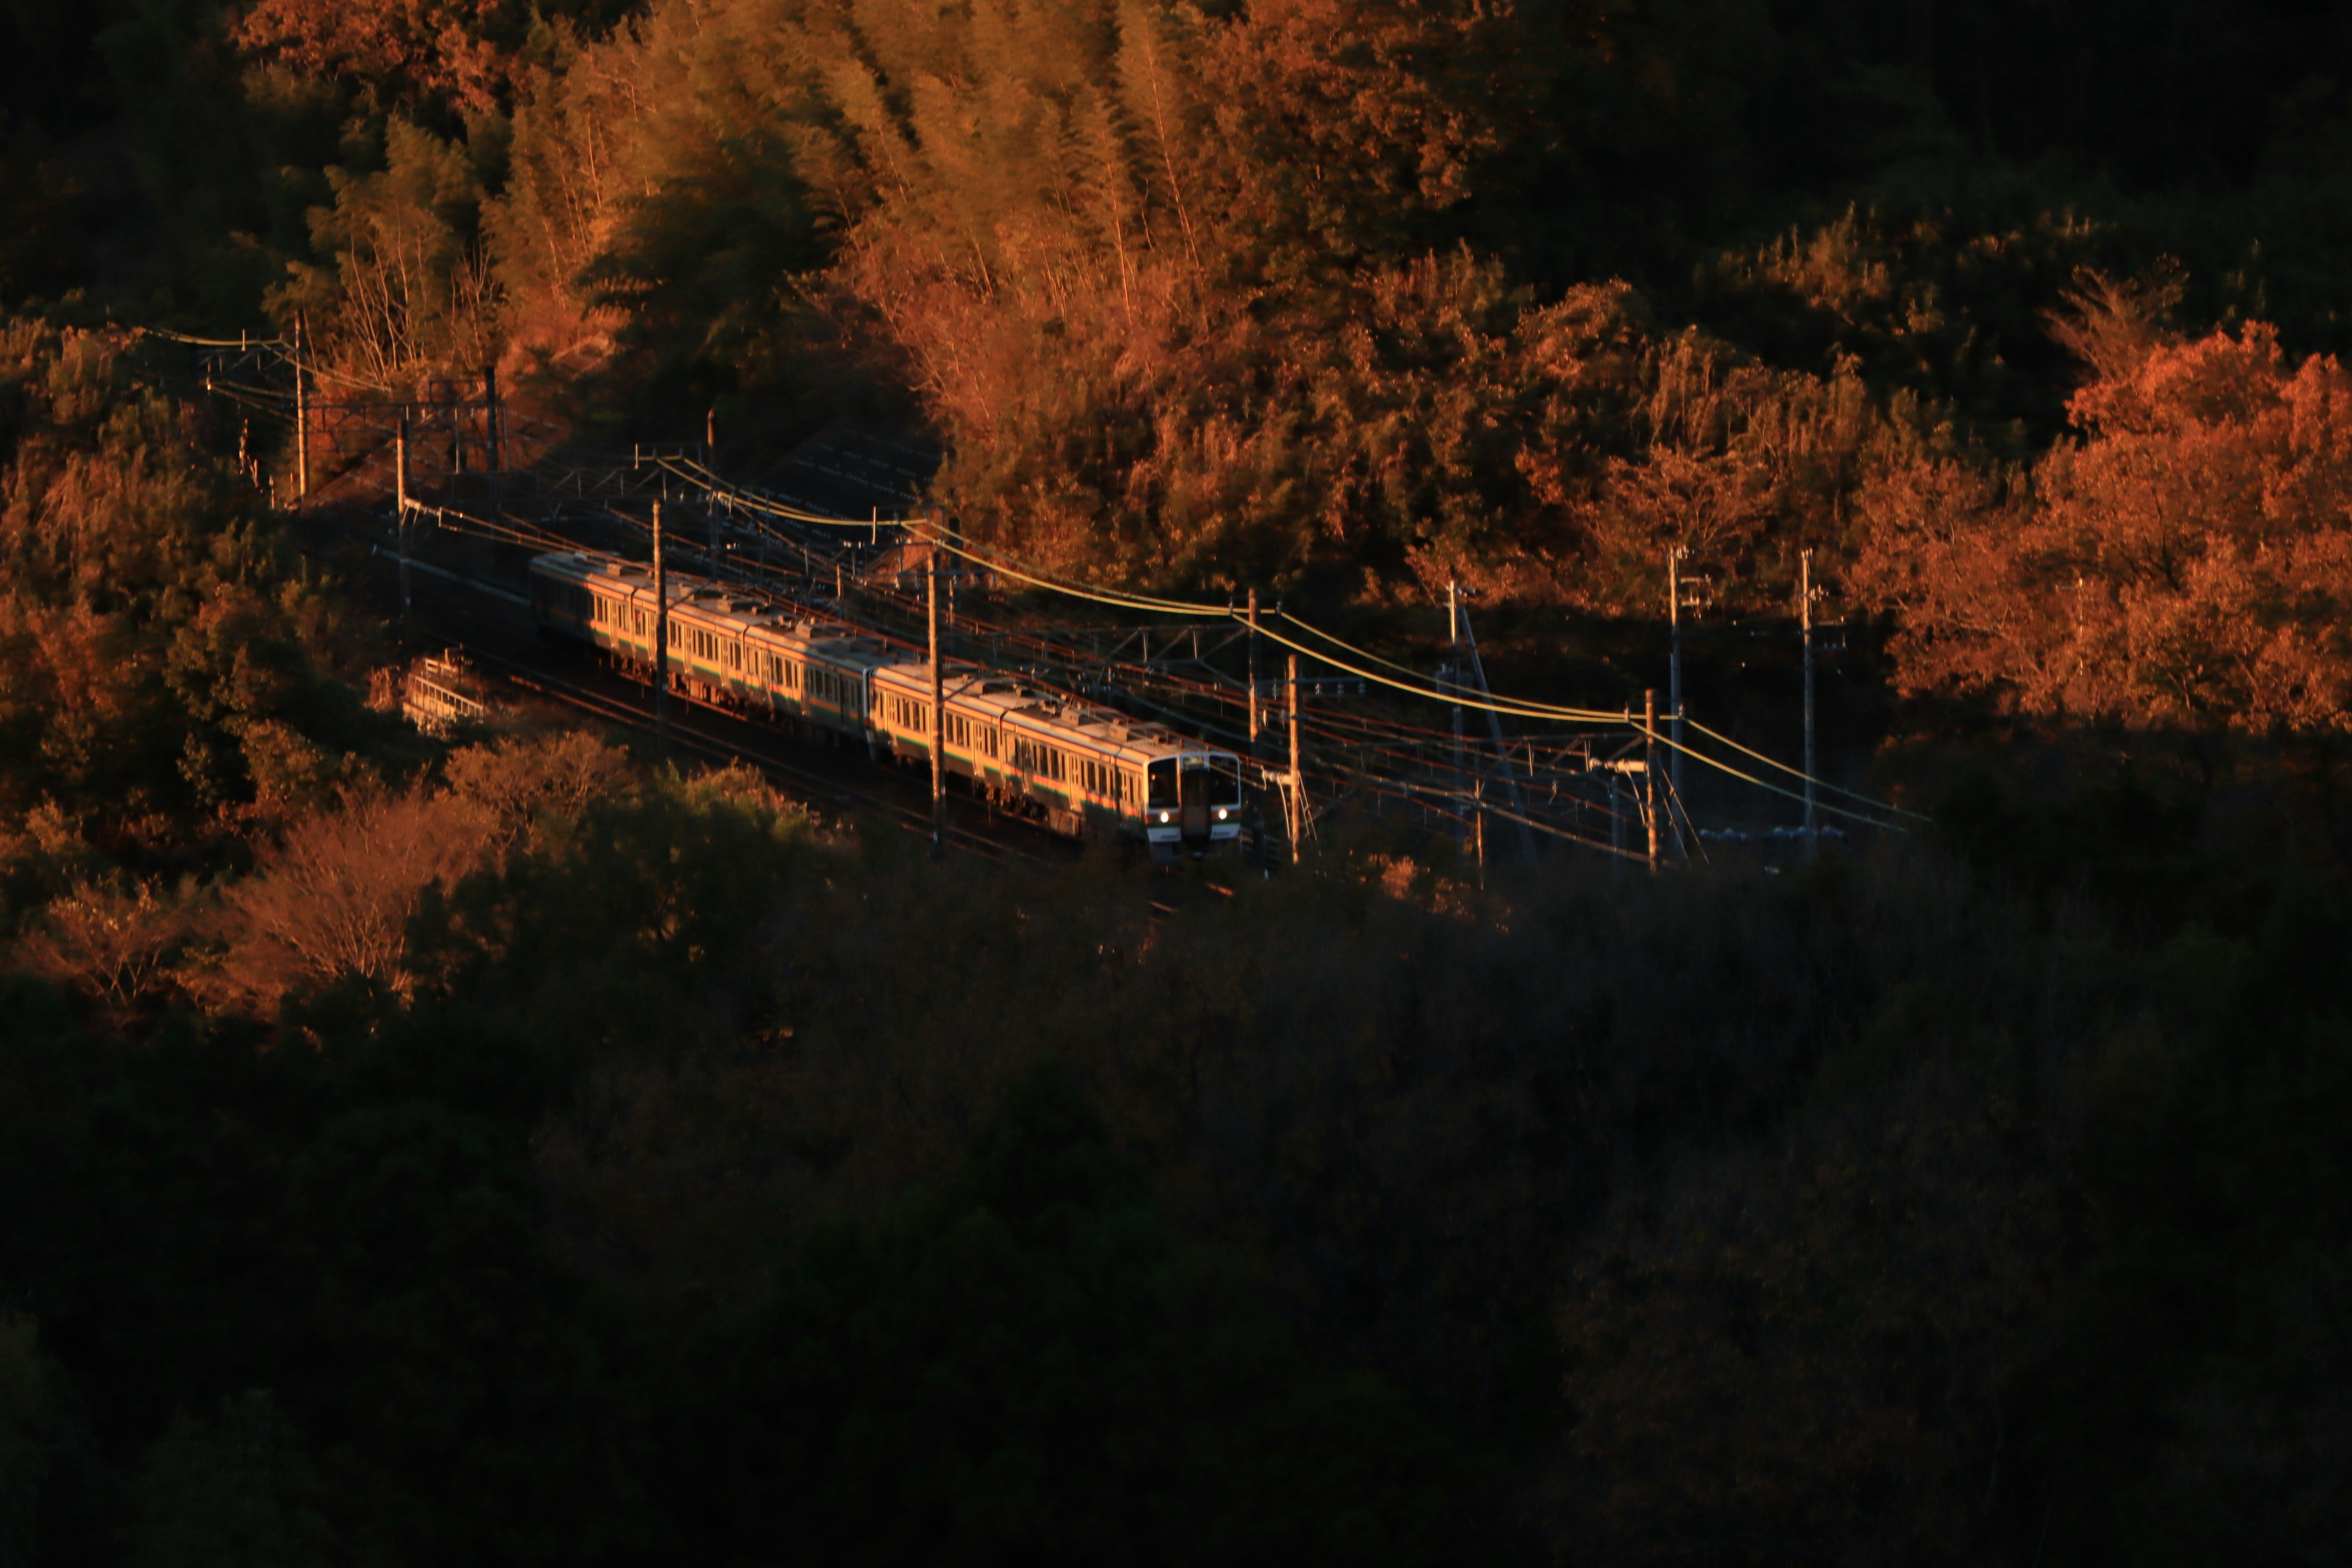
(1294, 633)
(1357, 665)
(1784, 767)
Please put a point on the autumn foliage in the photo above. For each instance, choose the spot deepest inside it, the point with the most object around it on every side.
(2187, 561)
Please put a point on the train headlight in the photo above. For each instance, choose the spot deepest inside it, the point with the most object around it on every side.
(1163, 816)
(1221, 814)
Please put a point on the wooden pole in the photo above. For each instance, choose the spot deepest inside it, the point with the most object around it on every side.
(1649, 770)
(301, 411)
(661, 641)
(938, 722)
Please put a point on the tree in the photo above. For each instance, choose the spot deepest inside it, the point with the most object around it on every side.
(2186, 562)
(1032, 1363)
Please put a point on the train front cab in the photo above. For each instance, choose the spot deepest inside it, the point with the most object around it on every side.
(1192, 801)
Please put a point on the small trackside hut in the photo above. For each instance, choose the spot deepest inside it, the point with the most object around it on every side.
(1080, 768)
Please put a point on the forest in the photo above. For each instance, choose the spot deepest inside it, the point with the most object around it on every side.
(514, 1147)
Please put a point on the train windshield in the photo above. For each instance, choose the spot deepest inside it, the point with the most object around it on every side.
(1195, 781)
(1212, 780)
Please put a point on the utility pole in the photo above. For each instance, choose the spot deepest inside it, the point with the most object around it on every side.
(400, 503)
(1481, 821)
(490, 418)
(1649, 770)
(938, 723)
(1616, 829)
(1297, 794)
(661, 641)
(301, 412)
(1805, 621)
(1453, 681)
(1253, 671)
(1675, 661)
(1502, 758)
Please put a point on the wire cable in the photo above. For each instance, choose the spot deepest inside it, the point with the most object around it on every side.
(697, 474)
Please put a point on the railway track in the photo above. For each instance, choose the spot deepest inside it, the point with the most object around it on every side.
(502, 643)
(801, 782)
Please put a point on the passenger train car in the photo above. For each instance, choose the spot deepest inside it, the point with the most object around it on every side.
(1082, 769)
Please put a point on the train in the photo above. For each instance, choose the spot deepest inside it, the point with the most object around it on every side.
(1081, 769)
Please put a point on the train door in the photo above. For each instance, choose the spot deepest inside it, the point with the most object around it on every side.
(1198, 784)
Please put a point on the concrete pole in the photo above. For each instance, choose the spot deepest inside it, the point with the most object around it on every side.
(1298, 779)
(1805, 621)
(1253, 671)
(400, 504)
(301, 411)
(1649, 770)
(490, 417)
(938, 723)
(661, 640)
(1675, 663)
(1453, 681)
